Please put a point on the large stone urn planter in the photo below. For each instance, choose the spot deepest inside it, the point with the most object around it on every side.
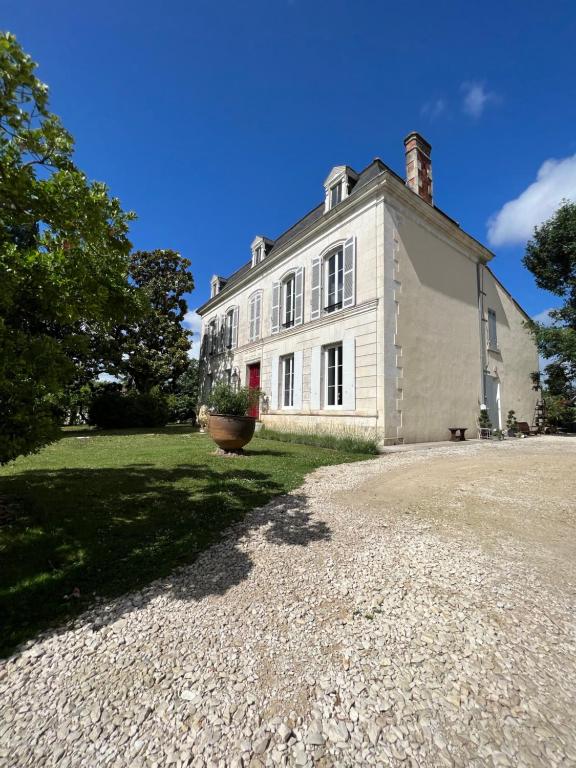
(231, 433)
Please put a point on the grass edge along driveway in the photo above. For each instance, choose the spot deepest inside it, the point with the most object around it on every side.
(98, 514)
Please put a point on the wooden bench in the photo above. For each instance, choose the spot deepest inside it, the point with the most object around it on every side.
(457, 437)
(526, 429)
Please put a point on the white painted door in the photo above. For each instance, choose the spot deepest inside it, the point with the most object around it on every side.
(492, 385)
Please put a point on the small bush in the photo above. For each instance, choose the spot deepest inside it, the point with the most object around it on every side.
(115, 410)
(232, 402)
(345, 441)
(182, 407)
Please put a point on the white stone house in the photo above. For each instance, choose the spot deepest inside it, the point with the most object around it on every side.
(375, 311)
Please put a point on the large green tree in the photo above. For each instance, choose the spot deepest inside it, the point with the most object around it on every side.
(551, 257)
(154, 350)
(64, 257)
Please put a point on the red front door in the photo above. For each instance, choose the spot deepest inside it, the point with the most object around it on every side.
(254, 383)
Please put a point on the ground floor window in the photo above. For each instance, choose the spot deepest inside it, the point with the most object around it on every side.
(288, 381)
(333, 389)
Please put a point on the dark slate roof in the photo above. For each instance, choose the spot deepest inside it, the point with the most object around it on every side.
(370, 172)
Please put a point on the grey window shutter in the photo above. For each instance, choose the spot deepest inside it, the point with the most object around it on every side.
(349, 373)
(298, 358)
(299, 296)
(315, 378)
(257, 315)
(349, 273)
(235, 328)
(275, 324)
(316, 288)
(251, 307)
(274, 383)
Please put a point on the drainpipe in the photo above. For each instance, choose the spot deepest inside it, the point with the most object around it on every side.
(483, 361)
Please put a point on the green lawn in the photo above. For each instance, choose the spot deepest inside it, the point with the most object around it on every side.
(107, 512)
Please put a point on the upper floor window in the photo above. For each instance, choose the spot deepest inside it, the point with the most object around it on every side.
(255, 316)
(231, 328)
(260, 247)
(492, 330)
(335, 194)
(212, 336)
(334, 280)
(288, 301)
(338, 185)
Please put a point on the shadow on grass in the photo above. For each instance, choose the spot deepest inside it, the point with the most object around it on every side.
(106, 531)
(169, 429)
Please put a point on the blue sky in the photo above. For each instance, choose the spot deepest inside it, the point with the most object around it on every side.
(219, 121)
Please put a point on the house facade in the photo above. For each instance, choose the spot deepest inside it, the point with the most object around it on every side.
(376, 312)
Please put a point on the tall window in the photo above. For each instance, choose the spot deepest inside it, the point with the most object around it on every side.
(229, 332)
(333, 375)
(288, 381)
(492, 332)
(335, 194)
(289, 301)
(254, 314)
(334, 281)
(212, 340)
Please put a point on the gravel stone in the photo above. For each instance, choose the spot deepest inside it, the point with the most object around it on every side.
(417, 609)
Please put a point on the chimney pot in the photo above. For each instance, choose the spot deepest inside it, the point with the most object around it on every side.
(419, 166)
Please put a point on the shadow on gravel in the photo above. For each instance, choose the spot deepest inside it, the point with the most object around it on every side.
(101, 532)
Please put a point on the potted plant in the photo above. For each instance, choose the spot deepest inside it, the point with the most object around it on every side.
(511, 424)
(229, 426)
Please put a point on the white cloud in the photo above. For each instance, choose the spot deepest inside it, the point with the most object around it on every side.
(515, 221)
(192, 321)
(476, 97)
(433, 109)
(544, 317)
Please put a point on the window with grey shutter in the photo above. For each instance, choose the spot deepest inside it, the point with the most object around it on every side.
(316, 288)
(235, 327)
(492, 330)
(275, 322)
(349, 273)
(299, 296)
(258, 315)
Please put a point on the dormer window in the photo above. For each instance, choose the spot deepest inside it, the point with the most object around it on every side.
(260, 249)
(338, 185)
(335, 194)
(216, 285)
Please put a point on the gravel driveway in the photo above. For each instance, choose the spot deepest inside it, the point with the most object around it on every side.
(412, 610)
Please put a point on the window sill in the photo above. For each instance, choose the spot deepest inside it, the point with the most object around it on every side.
(492, 348)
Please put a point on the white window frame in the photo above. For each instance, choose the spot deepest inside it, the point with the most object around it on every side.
(336, 192)
(338, 255)
(287, 373)
(289, 280)
(338, 384)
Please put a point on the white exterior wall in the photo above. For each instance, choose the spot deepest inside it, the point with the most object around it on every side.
(516, 357)
(358, 323)
(419, 342)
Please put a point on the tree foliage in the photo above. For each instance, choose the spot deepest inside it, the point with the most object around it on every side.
(64, 255)
(551, 257)
(153, 351)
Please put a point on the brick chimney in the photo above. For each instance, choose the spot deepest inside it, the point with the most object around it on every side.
(419, 165)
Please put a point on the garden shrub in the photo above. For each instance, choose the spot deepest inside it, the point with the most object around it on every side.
(182, 407)
(115, 410)
(227, 400)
